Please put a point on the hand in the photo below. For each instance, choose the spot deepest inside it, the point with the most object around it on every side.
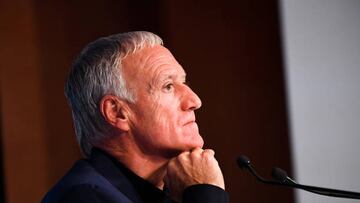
(189, 168)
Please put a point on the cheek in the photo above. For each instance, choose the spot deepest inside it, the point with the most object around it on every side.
(165, 109)
(165, 118)
(160, 117)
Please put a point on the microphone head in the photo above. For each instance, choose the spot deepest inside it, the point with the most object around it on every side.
(243, 161)
(279, 174)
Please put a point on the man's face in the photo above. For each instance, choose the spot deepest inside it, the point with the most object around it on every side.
(162, 119)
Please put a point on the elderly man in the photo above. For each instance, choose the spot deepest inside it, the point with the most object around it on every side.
(135, 123)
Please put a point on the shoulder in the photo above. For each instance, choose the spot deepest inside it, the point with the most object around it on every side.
(82, 183)
(82, 193)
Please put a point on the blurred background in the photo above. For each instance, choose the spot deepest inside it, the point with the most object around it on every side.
(278, 81)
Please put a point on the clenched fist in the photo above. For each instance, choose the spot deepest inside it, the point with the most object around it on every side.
(189, 168)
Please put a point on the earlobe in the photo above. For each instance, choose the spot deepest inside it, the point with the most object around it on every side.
(114, 112)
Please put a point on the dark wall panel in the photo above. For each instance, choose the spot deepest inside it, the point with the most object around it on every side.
(232, 53)
(2, 191)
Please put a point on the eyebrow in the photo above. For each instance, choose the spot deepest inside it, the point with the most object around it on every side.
(161, 78)
(171, 76)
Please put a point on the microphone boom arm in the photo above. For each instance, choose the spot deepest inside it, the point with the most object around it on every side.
(244, 163)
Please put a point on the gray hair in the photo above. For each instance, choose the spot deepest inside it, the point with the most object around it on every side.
(98, 72)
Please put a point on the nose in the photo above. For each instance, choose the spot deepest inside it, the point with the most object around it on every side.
(190, 100)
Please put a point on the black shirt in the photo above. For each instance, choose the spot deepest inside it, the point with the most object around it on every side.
(148, 193)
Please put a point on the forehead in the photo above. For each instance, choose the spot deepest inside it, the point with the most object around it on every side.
(151, 62)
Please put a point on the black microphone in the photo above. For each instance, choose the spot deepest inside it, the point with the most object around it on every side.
(244, 163)
(281, 176)
(281, 179)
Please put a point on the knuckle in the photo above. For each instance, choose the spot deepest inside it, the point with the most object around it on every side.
(208, 154)
(196, 152)
(195, 155)
(183, 156)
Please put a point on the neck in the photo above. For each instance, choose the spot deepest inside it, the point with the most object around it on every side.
(147, 166)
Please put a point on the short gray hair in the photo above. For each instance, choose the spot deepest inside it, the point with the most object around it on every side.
(97, 72)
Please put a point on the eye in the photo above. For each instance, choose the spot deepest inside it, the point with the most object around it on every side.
(168, 87)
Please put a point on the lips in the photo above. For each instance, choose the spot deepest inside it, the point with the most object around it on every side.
(189, 121)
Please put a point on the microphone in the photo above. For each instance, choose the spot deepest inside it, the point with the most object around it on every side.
(281, 176)
(281, 179)
(244, 163)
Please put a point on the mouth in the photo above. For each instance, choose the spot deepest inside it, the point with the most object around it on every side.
(190, 119)
(190, 122)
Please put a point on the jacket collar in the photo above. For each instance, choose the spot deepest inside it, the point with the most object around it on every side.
(108, 167)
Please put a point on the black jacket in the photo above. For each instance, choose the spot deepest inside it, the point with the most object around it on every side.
(98, 179)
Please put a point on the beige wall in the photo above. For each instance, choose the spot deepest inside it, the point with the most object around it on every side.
(231, 52)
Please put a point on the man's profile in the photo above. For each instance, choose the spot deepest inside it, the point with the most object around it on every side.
(135, 123)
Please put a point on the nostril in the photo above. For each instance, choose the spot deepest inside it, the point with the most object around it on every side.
(195, 102)
(190, 101)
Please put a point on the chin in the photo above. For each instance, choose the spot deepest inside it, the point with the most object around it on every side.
(195, 142)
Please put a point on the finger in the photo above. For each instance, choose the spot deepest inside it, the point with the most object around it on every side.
(197, 150)
(209, 152)
(184, 153)
(184, 156)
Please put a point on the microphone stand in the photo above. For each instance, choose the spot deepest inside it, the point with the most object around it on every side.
(283, 180)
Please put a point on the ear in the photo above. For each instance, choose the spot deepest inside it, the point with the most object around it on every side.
(115, 112)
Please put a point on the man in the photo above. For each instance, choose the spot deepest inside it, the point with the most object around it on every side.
(134, 120)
